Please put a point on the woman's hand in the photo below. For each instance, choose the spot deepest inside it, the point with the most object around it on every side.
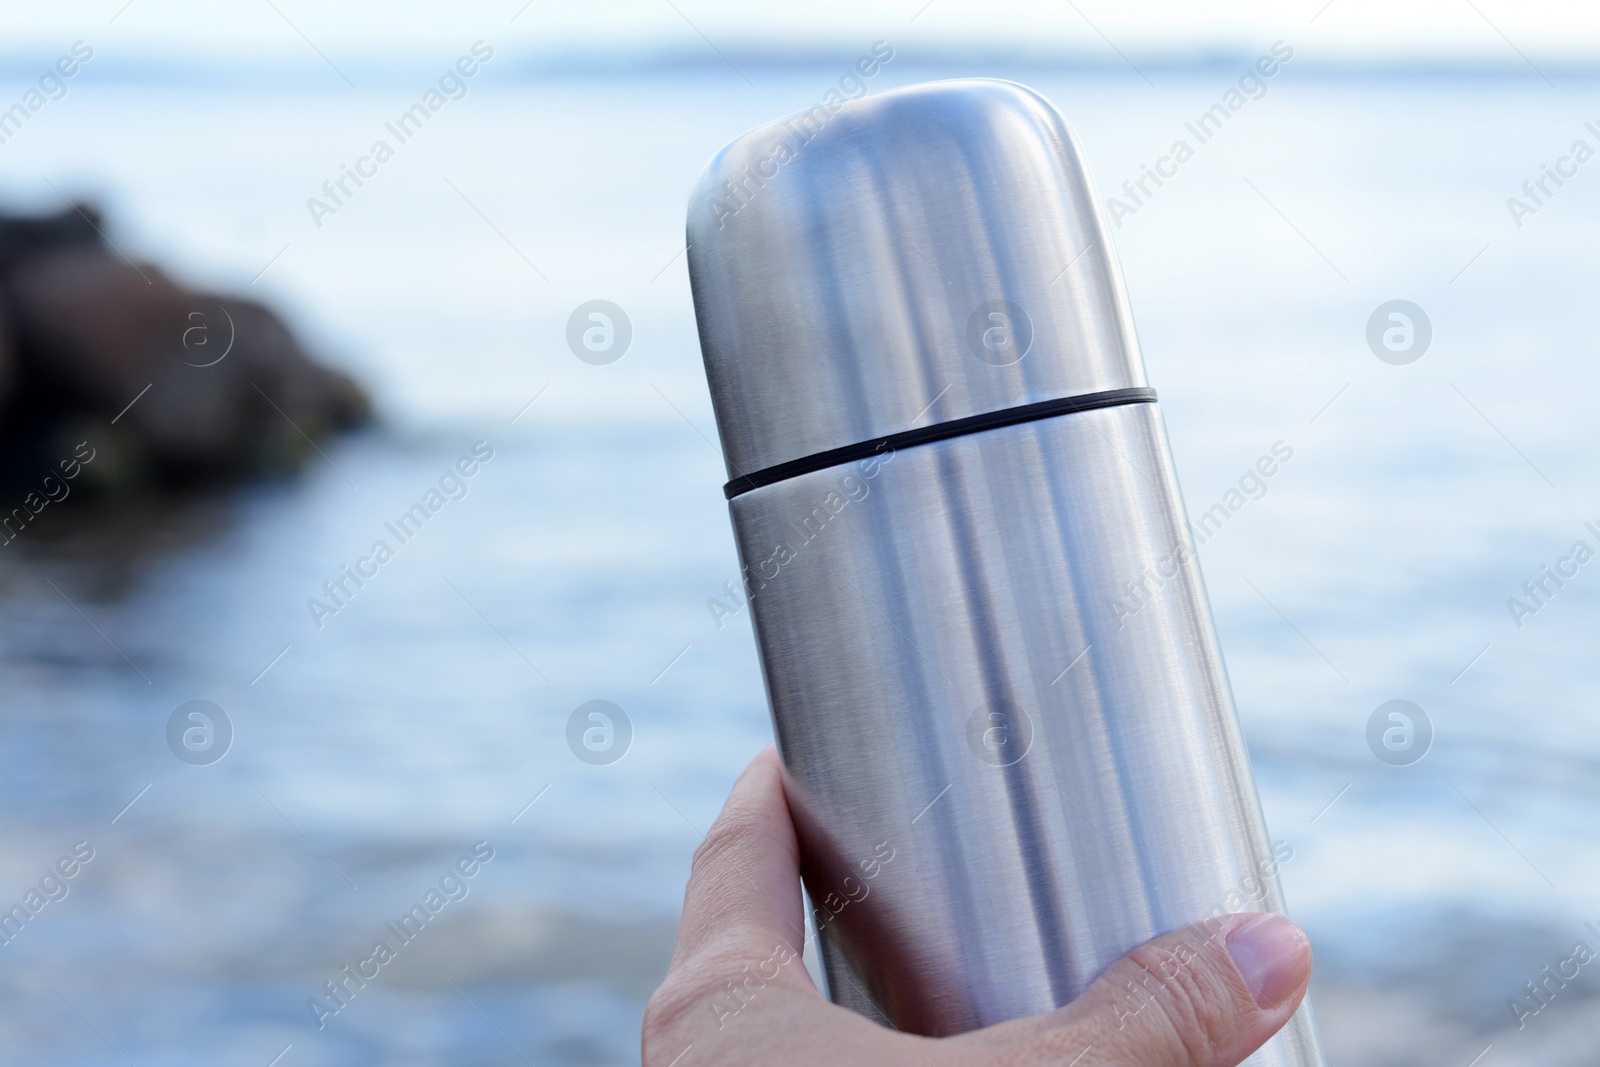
(1219, 991)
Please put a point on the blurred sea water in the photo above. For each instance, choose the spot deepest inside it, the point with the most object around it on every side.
(430, 712)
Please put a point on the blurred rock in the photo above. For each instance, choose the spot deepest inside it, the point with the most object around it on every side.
(219, 387)
(25, 236)
(7, 357)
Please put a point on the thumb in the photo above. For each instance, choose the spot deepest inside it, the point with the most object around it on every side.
(1205, 996)
(744, 886)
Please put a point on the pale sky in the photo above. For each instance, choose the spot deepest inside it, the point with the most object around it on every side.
(366, 30)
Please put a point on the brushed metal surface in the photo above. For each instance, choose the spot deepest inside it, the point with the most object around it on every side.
(899, 604)
(837, 260)
(1003, 775)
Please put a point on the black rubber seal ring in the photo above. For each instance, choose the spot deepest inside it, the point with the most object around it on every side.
(942, 431)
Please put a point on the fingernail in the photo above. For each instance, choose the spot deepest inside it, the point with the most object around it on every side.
(1273, 957)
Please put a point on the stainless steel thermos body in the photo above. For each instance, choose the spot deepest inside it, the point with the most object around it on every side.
(1010, 748)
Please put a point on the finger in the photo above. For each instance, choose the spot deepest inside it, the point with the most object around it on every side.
(744, 885)
(1205, 996)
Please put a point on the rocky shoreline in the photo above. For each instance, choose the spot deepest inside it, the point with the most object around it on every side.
(166, 386)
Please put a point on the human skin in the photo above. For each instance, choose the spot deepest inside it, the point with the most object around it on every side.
(1220, 989)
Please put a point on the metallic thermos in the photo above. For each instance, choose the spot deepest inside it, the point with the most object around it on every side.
(1010, 748)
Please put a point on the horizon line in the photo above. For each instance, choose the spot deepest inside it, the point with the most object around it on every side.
(158, 65)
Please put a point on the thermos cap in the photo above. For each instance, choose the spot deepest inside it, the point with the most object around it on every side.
(899, 261)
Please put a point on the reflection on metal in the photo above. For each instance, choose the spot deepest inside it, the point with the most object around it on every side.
(950, 675)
